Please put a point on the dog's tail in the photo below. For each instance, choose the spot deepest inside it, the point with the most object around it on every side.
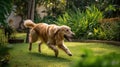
(29, 24)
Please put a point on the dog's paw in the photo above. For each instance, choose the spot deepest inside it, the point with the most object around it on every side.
(70, 54)
(29, 49)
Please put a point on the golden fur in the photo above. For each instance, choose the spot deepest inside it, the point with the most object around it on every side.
(52, 35)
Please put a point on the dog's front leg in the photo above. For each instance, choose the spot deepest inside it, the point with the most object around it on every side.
(64, 48)
(54, 49)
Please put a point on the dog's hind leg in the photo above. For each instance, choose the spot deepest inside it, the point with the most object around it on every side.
(39, 46)
(33, 37)
(30, 46)
(64, 48)
(30, 43)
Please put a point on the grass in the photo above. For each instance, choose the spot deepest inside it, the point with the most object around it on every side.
(21, 57)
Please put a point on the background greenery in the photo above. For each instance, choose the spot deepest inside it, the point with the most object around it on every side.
(99, 61)
(6, 7)
(89, 19)
(89, 24)
(83, 16)
(82, 23)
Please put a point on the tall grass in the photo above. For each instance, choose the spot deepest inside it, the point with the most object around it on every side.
(82, 23)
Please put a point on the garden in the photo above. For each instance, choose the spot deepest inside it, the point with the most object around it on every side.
(96, 24)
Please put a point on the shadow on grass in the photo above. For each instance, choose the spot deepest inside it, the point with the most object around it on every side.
(48, 57)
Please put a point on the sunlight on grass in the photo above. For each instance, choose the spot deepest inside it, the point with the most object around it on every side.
(20, 35)
(20, 56)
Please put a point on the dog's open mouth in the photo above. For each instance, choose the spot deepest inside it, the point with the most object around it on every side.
(69, 38)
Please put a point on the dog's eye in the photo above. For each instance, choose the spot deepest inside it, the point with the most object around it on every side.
(67, 30)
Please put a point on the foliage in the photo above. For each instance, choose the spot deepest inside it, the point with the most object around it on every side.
(110, 28)
(6, 7)
(81, 4)
(47, 19)
(4, 55)
(2, 37)
(89, 24)
(109, 7)
(108, 60)
(54, 7)
(58, 7)
(82, 23)
(21, 7)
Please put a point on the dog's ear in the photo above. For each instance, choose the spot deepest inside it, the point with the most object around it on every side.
(56, 31)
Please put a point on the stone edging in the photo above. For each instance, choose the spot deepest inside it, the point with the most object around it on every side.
(98, 41)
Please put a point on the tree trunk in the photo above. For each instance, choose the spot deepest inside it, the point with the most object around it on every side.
(31, 7)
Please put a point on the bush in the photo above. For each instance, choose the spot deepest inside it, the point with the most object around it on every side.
(47, 19)
(108, 60)
(110, 27)
(108, 30)
(82, 23)
(91, 25)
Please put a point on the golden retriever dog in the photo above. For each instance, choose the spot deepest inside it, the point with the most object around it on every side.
(52, 35)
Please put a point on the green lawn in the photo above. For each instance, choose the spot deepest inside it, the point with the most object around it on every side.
(21, 57)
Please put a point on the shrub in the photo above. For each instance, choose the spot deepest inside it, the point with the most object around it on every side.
(90, 24)
(47, 19)
(111, 28)
(81, 22)
(108, 60)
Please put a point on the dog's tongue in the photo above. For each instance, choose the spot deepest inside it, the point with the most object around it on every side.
(69, 39)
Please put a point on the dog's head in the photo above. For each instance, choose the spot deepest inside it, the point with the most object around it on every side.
(67, 33)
